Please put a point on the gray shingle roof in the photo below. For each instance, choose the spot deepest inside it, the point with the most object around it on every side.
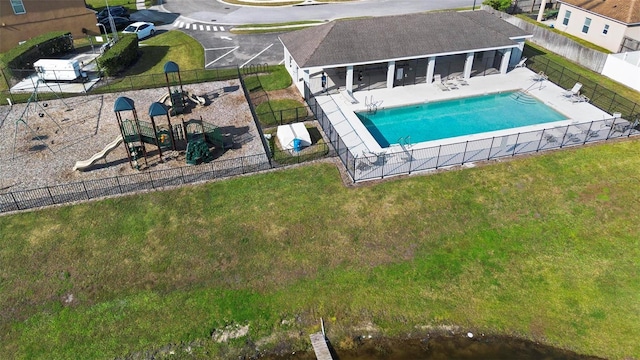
(393, 37)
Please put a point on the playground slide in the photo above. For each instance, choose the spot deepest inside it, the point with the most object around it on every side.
(85, 164)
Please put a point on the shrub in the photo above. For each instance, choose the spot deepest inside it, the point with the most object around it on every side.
(120, 55)
(50, 44)
(500, 5)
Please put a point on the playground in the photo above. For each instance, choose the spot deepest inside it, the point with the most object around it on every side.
(81, 138)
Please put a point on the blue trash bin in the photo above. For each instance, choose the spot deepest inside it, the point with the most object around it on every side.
(297, 145)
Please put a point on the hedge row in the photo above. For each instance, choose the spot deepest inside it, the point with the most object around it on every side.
(122, 54)
(46, 45)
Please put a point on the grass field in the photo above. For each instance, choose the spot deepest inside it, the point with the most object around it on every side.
(545, 247)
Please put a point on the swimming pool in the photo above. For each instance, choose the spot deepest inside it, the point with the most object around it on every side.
(457, 117)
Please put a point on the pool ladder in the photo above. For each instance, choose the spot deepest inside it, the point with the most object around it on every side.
(372, 107)
(405, 144)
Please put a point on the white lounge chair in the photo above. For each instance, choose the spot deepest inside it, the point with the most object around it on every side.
(575, 90)
(375, 159)
(521, 63)
(578, 98)
(462, 81)
(437, 81)
(541, 76)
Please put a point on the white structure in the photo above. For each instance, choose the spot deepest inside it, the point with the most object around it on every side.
(612, 24)
(293, 134)
(624, 68)
(401, 50)
(58, 70)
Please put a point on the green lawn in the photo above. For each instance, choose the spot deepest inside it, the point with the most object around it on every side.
(129, 4)
(174, 46)
(281, 111)
(545, 247)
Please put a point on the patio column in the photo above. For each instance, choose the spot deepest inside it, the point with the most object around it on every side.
(391, 72)
(305, 80)
(349, 79)
(468, 64)
(431, 67)
(541, 12)
(504, 64)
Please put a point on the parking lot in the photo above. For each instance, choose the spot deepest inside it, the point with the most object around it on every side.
(223, 48)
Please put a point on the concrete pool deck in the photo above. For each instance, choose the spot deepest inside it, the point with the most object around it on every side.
(340, 110)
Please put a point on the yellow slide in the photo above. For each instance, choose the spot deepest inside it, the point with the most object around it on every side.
(85, 164)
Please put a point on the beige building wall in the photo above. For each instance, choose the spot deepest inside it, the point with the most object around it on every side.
(43, 16)
(633, 32)
(610, 41)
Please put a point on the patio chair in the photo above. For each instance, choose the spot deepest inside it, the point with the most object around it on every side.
(462, 81)
(521, 64)
(437, 81)
(550, 139)
(575, 90)
(541, 76)
(375, 159)
(578, 98)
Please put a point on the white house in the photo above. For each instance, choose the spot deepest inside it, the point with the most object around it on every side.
(611, 24)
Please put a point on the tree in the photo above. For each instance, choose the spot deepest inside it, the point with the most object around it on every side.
(500, 5)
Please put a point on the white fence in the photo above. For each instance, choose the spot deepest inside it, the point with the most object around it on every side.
(624, 68)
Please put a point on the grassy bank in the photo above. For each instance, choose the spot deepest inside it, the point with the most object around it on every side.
(544, 247)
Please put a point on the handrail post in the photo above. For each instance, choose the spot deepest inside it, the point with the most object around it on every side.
(491, 148)
(464, 153)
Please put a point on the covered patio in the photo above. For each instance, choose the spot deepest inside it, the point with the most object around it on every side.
(386, 52)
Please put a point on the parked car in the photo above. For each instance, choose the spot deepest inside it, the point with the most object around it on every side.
(119, 11)
(119, 22)
(142, 29)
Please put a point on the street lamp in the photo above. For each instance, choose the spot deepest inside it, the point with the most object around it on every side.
(474, 5)
(106, 34)
(111, 23)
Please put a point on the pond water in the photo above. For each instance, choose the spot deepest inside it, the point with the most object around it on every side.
(446, 347)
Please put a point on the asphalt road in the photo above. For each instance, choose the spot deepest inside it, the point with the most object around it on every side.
(214, 11)
(209, 22)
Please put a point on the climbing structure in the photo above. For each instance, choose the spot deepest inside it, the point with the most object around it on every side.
(174, 85)
(132, 132)
(164, 138)
(200, 135)
(196, 136)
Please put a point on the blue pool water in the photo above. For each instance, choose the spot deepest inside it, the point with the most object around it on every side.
(465, 116)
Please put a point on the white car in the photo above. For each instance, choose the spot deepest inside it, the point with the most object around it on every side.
(142, 29)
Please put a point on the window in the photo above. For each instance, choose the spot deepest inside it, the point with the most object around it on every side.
(18, 7)
(605, 31)
(567, 15)
(585, 27)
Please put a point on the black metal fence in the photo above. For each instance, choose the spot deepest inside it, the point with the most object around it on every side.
(375, 166)
(54, 89)
(284, 116)
(364, 166)
(600, 96)
(158, 179)
(127, 184)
